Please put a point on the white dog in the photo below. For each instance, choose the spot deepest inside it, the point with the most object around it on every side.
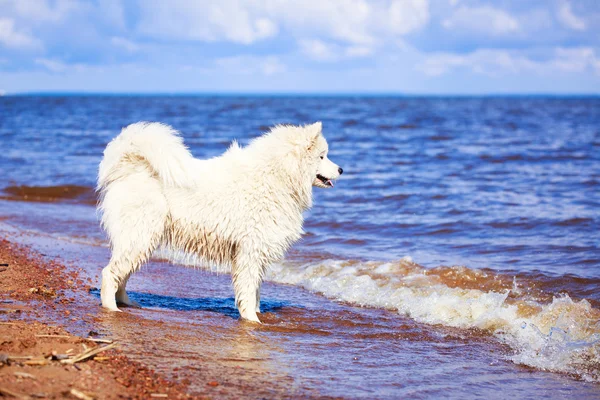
(242, 209)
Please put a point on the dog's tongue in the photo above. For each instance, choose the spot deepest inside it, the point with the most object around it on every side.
(330, 182)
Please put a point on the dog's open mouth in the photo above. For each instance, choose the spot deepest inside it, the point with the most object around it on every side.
(326, 181)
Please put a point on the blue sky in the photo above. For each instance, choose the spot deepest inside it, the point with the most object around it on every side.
(313, 46)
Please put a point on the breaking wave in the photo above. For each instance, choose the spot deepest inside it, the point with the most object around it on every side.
(545, 331)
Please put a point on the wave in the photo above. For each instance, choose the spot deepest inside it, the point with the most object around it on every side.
(50, 194)
(545, 331)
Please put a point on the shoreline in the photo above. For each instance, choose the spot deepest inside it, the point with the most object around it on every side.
(31, 286)
(189, 339)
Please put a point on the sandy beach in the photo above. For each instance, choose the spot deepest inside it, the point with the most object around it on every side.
(33, 290)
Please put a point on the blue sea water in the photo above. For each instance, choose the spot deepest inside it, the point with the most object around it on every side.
(507, 183)
(507, 188)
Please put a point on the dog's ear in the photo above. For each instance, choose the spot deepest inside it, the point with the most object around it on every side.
(314, 131)
(317, 126)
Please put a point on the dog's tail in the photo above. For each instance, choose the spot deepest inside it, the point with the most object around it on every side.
(158, 145)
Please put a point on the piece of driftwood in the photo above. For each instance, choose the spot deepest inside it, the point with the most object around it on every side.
(97, 340)
(88, 353)
(36, 361)
(80, 395)
(55, 336)
(10, 393)
(59, 357)
(20, 374)
(63, 358)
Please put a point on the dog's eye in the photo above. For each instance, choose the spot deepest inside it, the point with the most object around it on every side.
(321, 157)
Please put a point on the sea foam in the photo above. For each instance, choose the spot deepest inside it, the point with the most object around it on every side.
(561, 335)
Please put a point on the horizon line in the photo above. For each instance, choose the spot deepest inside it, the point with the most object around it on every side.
(291, 93)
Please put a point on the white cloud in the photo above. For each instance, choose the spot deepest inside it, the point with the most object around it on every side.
(265, 28)
(10, 37)
(576, 59)
(355, 22)
(483, 61)
(495, 62)
(60, 23)
(293, 36)
(567, 18)
(358, 22)
(484, 19)
(42, 10)
(250, 65)
(60, 67)
(124, 44)
(358, 51)
(342, 20)
(323, 51)
(272, 65)
(209, 21)
(318, 50)
(52, 65)
(439, 64)
(406, 16)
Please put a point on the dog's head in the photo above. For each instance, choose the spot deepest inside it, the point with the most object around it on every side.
(298, 156)
(326, 171)
(311, 148)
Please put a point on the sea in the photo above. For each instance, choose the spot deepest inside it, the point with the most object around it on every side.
(458, 256)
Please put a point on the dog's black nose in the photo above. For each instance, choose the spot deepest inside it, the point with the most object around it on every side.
(341, 171)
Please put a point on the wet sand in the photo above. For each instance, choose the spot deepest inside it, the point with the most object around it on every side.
(34, 289)
(155, 357)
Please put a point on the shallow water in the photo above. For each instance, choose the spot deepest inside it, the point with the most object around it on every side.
(505, 188)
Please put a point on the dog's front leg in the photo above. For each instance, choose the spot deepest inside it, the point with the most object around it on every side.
(247, 278)
(258, 299)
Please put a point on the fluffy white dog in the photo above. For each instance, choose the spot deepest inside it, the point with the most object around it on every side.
(242, 209)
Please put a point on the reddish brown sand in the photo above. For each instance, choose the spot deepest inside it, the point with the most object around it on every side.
(27, 284)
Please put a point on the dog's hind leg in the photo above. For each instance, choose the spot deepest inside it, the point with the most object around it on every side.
(247, 278)
(136, 226)
(122, 265)
(124, 262)
(122, 297)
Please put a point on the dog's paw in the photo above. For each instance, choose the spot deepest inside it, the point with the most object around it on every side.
(129, 303)
(135, 304)
(251, 318)
(112, 309)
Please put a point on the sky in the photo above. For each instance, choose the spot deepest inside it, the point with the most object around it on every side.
(305, 46)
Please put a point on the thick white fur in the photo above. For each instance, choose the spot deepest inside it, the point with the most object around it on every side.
(242, 209)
